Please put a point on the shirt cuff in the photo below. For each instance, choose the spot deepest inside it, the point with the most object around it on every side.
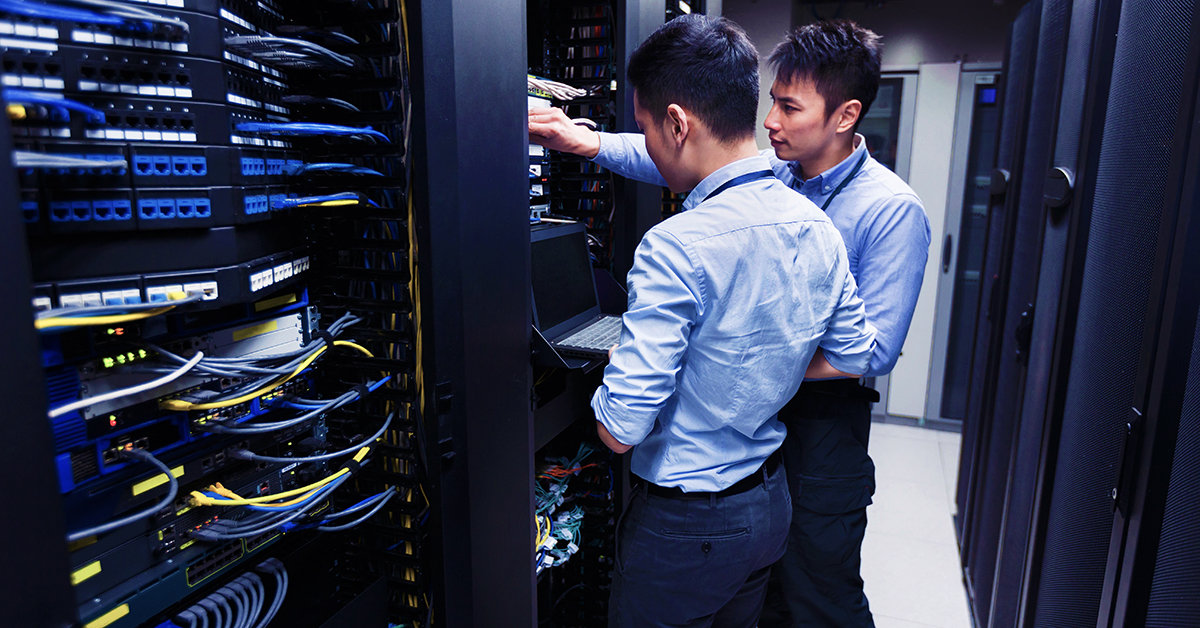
(856, 363)
(610, 152)
(628, 426)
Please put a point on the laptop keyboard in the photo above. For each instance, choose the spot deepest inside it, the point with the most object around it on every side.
(603, 334)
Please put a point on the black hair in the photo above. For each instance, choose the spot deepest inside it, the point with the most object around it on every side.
(840, 57)
(707, 66)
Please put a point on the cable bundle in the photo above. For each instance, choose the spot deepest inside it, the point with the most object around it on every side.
(56, 103)
(557, 536)
(560, 91)
(99, 12)
(239, 603)
(289, 510)
(311, 129)
(26, 159)
(287, 53)
(91, 315)
(269, 372)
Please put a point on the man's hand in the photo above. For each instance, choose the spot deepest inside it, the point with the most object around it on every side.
(550, 127)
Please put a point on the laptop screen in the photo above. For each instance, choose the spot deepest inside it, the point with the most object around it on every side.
(564, 290)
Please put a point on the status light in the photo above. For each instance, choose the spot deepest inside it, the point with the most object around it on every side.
(112, 420)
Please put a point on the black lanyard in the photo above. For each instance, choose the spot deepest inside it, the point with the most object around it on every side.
(845, 182)
(745, 178)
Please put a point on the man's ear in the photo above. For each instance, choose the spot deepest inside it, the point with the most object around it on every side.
(848, 115)
(678, 123)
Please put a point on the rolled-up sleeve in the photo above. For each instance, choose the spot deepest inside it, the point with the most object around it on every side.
(895, 248)
(625, 154)
(849, 340)
(665, 301)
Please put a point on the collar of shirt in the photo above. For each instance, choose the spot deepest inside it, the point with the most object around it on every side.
(825, 182)
(722, 175)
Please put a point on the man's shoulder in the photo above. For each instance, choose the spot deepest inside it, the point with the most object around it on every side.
(880, 183)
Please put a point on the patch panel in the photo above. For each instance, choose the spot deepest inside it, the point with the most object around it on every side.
(79, 211)
(158, 166)
(177, 208)
(151, 208)
(143, 120)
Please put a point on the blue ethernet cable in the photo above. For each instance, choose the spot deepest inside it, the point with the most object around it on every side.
(22, 96)
(288, 203)
(330, 167)
(310, 129)
(51, 12)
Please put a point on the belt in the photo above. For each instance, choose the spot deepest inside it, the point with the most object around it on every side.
(741, 486)
(845, 388)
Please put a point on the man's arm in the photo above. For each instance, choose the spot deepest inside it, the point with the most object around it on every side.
(820, 368)
(664, 302)
(892, 255)
(623, 153)
(612, 443)
(847, 346)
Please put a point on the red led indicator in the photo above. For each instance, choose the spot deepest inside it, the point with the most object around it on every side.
(112, 421)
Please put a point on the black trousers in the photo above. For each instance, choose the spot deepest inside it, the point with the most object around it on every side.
(831, 477)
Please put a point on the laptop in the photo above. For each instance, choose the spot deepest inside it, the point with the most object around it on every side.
(566, 308)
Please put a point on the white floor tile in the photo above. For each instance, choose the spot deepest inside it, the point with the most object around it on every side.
(883, 621)
(914, 580)
(904, 431)
(912, 511)
(901, 457)
(910, 554)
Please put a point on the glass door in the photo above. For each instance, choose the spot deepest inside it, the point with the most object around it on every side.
(961, 257)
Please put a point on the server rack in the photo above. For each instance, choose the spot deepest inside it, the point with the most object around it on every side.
(1014, 92)
(1097, 525)
(1012, 297)
(184, 201)
(42, 595)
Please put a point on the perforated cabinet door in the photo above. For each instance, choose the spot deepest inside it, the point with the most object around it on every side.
(1119, 275)
(1024, 253)
(1018, 76)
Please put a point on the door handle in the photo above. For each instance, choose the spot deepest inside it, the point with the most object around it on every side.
(946, 246)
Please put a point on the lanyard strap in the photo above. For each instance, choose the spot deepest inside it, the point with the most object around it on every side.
(845, 182)
(745, 178)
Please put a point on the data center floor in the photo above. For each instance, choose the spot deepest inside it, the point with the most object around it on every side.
(910, 556)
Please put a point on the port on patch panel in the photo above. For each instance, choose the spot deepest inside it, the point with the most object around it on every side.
(214, 562)
(253, 166)
(102, 210)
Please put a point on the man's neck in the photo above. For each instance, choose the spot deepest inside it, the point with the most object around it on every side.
(836, 153)
(718, 155)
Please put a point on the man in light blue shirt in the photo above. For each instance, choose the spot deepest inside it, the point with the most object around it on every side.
(728, 302)
(827, 78)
